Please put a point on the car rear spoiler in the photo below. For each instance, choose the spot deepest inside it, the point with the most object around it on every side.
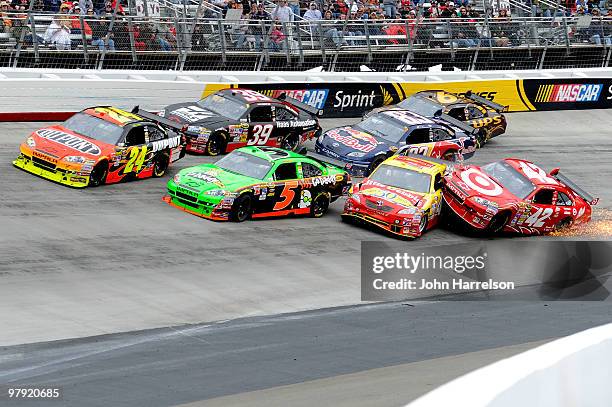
(158, 119)
(457, 123)
(477, 98)
(300, 105)
(571, 185)
(326, 161)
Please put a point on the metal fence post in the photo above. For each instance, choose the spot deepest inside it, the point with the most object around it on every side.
(450, 36)
(222, 41)
(566, 34)
(368, 44)
(107, 36)
(179, 44)
(410, 52)
(286, 42)
(132, 41)
(321, 40)
(34, 39)
(299, 41)
(84, 39)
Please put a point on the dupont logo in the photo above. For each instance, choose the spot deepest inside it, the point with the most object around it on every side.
(313, 97)
(569, 92)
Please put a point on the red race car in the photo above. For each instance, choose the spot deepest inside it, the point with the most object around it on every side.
(514, 195)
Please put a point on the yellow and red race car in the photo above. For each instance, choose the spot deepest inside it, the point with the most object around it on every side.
(102, 145)
(402, 196)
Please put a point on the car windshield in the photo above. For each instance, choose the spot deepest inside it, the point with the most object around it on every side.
(94, 127)
(384, 127)
(509, 178)
(420, 105)
(245, 164)
(230, 108)
(402, 178)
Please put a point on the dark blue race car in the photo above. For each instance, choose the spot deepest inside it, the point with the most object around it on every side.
(360, 148)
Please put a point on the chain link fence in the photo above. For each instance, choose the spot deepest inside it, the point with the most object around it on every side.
(175, 43)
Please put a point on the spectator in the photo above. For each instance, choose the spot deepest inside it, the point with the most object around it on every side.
(7, 22)
(51, 6)
(58, 32)
(277, 37)
(449, 11)
(294, 5)
(471, 13)
(313, 13)
(258, 27)
(245, 33)
(99, 29)
(330, 32)
(85, 5)
(282, 12)
(390, 8)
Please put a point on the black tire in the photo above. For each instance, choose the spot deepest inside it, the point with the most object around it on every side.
(448, 156)
(98, 174)
(160, 165)
(374, 165)
(319, 205)
(216, 144)
(291, 142)
(481, 138)
(498, 222)
(242, 208)
(423, 224)
(563, 224)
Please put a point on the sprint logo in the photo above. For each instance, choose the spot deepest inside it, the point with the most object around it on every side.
(569, 92)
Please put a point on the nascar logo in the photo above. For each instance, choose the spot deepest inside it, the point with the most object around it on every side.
(569, 93)
(69, 140)
(313, 97)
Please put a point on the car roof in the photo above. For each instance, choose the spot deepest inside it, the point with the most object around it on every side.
(113, 115)
(270, 153)
(417, 164)
(533, 172)
(432, 95)
(250, 97)
(407, 117)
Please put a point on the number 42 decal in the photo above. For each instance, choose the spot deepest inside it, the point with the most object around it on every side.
(537, 218)
(261, 134)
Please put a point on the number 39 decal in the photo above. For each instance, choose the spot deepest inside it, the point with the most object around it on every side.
(261, 134)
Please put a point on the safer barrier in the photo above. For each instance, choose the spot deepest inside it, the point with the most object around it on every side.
(572, 371)
(336, 95)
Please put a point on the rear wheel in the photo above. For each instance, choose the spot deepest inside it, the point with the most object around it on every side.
(216, 144)
(160, 165)
(242, 208)
(423, 224)
(563, 224)
(98, 174)
(319, 205)
(498, 222)
(448, 156)
(374, 165)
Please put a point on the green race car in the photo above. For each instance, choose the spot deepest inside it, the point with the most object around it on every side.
(258, 182)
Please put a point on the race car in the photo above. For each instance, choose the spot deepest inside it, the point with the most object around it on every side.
(234, 118)
(102, 145)
(516, 196)
(360, 148)
(469, 108)
(402, 196)
(255, 182)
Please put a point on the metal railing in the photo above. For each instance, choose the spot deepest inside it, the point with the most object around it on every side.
(179, 43)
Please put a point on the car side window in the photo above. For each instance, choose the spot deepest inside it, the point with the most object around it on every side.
(474, 112)
(440, 135)
(563, 200)
(457, 113)
(135, 137)
(155, 134)
(261, 114)
(310, 170)
(417, 136)
(543, 197)
(284, 115)
(286, 171)
(438, 181)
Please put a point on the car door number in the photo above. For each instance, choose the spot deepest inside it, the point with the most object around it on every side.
(261, 134)
(537, 218)
(136, 159)
(288, 194)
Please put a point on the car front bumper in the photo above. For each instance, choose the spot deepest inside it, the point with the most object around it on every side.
(54, 171)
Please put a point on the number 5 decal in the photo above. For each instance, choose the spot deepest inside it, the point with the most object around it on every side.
(288, 195)
(261, 134)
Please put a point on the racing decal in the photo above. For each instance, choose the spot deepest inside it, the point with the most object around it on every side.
(287, 195)
(569, 92)
(44, 157)
(535, 173)
(485, 121)
(344, 99)
(206, 177)
(239, 132)
(165, 143)
(69, 140)
(192, 113)
(120, 116)
(252, 96)
(353, 138)
(305, 199)
(480, 182)
(136, 158)
(313, 97)
(407, 117)
(296, 123)
(392, 197)
(261, 134)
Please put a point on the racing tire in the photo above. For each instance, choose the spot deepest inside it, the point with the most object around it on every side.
(498, 222)
(160, 165)
(423, 224)
(98, 174)
(216, 144)
(291, 142)
(374, 165)
(242, 208)
(449, 155)
(319, 205)
(481, 138)
(563, 224)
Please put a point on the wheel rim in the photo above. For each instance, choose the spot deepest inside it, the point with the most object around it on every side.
(160, 167)
(213, 146)
(243, 210)
(422, 224)
(96, 176)
(319, 207)
(291, 143)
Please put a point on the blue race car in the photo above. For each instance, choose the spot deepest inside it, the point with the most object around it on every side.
(360, 148)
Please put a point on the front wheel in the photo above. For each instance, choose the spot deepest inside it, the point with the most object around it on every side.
(215, 145)
(374, 165)
(498, 222)
(98, 174)
(563, 225)
(161, 165)
(319, 205)
(242, 208)
(291, 142)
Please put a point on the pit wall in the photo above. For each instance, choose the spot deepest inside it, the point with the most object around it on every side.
(31, 94)
(572, 371)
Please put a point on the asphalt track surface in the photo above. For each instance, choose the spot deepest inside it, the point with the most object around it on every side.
(83, 263)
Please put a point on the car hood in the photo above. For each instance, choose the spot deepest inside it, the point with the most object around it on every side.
(60, 142)
(471, 181)
(207, 177)
(346, 140)
(398, 198)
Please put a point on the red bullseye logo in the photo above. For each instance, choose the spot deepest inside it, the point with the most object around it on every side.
(480, 182)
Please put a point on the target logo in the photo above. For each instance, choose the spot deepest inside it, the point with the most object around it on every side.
(480, 182)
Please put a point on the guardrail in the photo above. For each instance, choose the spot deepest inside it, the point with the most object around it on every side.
(119, 42)
(572, 371)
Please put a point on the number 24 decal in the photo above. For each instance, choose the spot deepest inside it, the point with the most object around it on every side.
(261, 134)
(136, 159)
